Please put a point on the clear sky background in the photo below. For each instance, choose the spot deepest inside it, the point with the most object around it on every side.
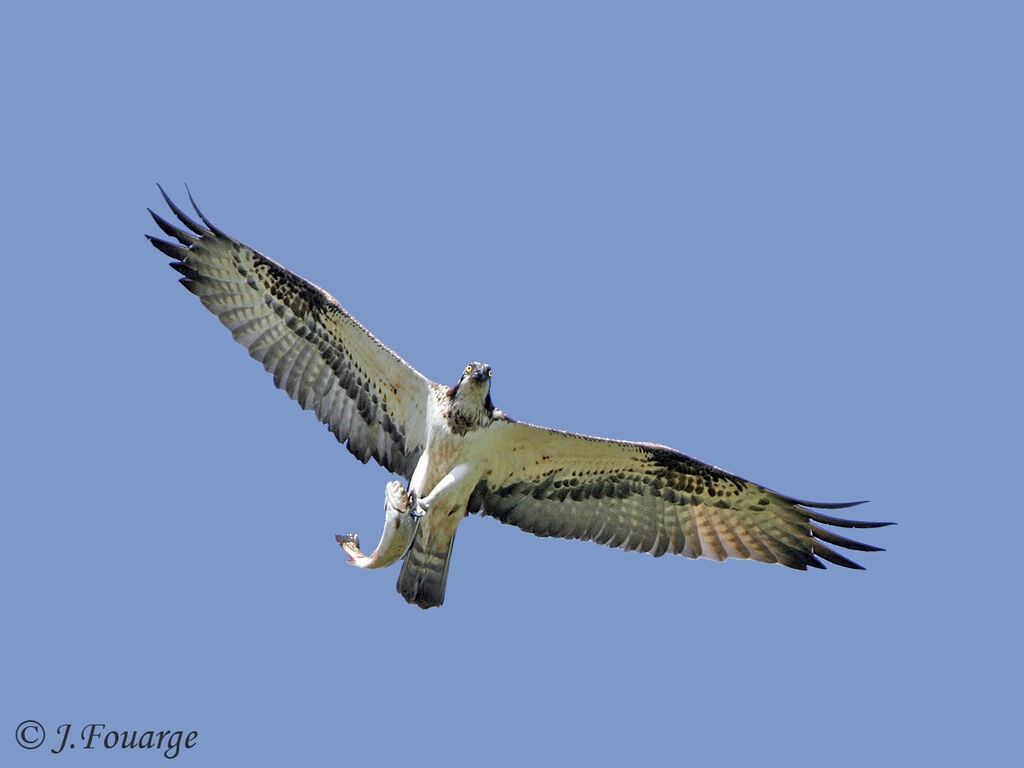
(784, 238)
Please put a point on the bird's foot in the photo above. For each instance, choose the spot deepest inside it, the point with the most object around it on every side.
(418, 508)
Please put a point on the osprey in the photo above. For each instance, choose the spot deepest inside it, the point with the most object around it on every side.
(462, 455)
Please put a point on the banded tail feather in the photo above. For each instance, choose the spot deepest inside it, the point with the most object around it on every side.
(425, 571)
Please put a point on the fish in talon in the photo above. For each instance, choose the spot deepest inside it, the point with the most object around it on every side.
(400, 519)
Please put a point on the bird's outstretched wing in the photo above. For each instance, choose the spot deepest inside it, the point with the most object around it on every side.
(371, 399)
(649, 498)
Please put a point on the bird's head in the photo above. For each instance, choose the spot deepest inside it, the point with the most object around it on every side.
(474, 387)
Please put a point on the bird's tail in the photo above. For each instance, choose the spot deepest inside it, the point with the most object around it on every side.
(425, 570)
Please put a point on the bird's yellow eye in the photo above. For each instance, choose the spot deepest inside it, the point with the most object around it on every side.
(469, 369)
(488, 374)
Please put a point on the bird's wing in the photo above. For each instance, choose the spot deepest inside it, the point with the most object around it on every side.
(649, 498)
(371, 399)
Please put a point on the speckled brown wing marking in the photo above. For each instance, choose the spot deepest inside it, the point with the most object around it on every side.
(372, 400)
(648, 498)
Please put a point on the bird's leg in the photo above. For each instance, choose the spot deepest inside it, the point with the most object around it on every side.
(400, 522)
(445, 488)
(417, 508)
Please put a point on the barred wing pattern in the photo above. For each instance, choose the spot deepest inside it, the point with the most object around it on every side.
(649, 498)
(371, 399)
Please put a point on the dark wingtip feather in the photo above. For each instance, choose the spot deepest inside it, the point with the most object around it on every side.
(796, 557)
(808, 507)
(825, 504)
(172, 231)
(841, 541)
(835, 558)
(176, 252)
(842, 523)
(185, 270)
(182, 216)
(190, 285)
(206, 221)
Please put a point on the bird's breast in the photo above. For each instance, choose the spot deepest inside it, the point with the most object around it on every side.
(444, 450)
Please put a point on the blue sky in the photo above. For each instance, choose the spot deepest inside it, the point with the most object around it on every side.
(783, 238)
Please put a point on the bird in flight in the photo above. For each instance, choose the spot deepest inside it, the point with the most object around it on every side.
(461, 455)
